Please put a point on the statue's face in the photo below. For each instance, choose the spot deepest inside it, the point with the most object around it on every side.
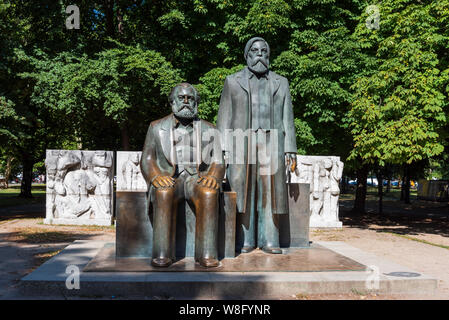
(258, 60)
(184, 104)
(327, 163)
(134, 158)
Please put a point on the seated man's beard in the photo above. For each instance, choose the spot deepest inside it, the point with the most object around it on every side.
(258, 65)
(184, 112)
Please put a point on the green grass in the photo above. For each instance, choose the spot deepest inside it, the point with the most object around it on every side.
(10, 197)
(371, 194)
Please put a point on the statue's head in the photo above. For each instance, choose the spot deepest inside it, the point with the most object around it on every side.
(184, 101)
(134, 158)
(68, 159)
(100, 159)
(257, 55)
(327, 163)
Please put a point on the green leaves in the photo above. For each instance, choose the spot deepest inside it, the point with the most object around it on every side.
(399, 110)
(126, 86)
(209, 88)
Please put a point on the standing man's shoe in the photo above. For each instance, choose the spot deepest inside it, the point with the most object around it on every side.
(209, 262)
(272, 250)
(161, 262)
(247, 249)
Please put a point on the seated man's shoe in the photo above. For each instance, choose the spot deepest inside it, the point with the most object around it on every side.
(209, 262)
(161, 262)
(273, 250)
(247, 249)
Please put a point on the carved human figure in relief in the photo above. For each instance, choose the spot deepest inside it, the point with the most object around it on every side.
(51, 163)
(319, 186)
(326, 177)
(131, 172)
(72, 186)
(335, 175)
(101, 168)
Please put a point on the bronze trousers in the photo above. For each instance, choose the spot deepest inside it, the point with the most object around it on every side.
(204, 202)
(258, 226)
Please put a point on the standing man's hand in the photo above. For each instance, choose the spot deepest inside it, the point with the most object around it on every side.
(291, 161)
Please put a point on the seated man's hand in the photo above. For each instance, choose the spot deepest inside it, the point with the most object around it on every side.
(163, 182)
(209, 182)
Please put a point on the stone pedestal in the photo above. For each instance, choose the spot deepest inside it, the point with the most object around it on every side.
(134, 230)
(294, 227)
(324, 268)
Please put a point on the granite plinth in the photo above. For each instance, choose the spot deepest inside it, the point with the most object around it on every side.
(314, 259)
(50, 279)
(294, 226)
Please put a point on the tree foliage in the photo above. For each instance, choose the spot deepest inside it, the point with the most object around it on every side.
(400, 109)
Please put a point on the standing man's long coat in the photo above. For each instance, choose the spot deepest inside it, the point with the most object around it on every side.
(235, 113)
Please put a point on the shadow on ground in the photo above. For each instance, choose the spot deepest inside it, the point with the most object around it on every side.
(406, 219)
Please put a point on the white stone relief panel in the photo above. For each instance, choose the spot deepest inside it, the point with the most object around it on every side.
(79, 187)
(129, 175)
(323, 173)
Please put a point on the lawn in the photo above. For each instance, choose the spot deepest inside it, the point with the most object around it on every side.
(371, 194)
(10, 197)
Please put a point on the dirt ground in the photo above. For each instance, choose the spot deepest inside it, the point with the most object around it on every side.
(416, 236)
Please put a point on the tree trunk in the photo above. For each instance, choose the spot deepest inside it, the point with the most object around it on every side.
(125, 137)
(388, 185)
(109, 16)
(360, 194)
(402, 183)
(27, 177)
(8, 170)
(344, 184)
(380, 182)
(407, 185)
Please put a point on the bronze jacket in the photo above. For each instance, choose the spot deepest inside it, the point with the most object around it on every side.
(157, 156)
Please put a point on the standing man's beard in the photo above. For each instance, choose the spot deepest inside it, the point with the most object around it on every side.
(184, 112)
(258, 65)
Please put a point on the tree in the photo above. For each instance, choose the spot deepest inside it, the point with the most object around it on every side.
(118, 90)
(398, 110)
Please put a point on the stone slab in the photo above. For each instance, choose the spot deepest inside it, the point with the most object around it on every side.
(316, 258)
(134, 230)
(79, 188)
(294, 226)
(50, 278)
(311, 170)
(129, 174)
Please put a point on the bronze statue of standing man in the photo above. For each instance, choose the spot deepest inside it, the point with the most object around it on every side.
(257, 101)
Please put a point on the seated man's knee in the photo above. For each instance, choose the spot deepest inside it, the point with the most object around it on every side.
(164, 192)
(208, 192)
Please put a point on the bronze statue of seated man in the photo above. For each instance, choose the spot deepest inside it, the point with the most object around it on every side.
(178, 168)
